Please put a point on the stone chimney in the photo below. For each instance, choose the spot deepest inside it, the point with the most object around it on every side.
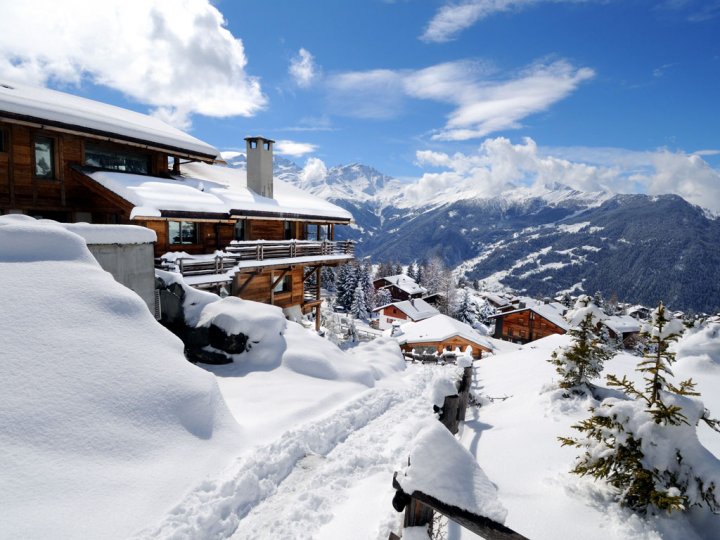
(259, 152)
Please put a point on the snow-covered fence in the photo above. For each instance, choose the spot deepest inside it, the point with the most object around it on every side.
(436, 481)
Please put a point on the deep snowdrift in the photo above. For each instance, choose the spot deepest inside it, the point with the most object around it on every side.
(514, 436)
(103, 423)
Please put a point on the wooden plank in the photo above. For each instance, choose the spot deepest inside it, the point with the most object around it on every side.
(480, 525)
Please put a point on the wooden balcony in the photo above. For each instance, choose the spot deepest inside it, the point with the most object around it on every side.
(241, 255)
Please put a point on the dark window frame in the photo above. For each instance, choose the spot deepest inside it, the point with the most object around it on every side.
(120, 152)
(243, 227)
(180, 230)
(4, 140)
(52, 175)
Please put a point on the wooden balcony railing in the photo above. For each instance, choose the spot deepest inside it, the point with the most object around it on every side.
(260, 250)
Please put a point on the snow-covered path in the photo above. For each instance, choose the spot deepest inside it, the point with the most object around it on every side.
(300, 486)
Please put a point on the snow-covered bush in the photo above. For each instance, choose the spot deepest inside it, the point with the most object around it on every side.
(646, 446)
(583, 360)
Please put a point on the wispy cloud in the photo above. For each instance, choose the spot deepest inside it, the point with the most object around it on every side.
(294, 148)
(483, 103)
(179, 61)
(696, 11)
(455, 16)
(367, 94)
(303, 68)
(498, 164)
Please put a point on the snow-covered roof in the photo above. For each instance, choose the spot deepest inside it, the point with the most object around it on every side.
(495, 299)
(439, 328)
(416, 309)
(622, 324)
(213, 189)
(547, 311)
(58, 109)
(405, 283)
(112, 234)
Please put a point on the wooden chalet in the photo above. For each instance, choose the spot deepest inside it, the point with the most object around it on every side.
(413, 310)
(439, 334)
(623, 328)
(71, 159)
(530, 323)
(401, 287)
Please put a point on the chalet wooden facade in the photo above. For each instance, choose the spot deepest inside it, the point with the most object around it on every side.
(74, 160)
(440, 334)
(528, 324)
(399, 312)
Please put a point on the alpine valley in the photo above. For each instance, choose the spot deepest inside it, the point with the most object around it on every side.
(539, 240)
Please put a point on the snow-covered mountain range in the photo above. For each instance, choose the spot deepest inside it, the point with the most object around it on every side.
(538, 240)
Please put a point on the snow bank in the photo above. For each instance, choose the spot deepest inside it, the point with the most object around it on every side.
(442, 468)
(701, 344)
(99, 410)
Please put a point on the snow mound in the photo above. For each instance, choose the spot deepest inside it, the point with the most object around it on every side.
(442, 468)
(702, 344)
(99, 410)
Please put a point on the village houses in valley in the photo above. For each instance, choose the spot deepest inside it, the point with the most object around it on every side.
(70, 159)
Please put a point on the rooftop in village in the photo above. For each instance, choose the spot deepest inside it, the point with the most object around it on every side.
(439, 328)
(404, 283)
(416, 309)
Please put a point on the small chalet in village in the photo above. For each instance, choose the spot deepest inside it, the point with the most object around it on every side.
(440, 334)
(413, 310)
(530, 323)
(624, 328)
(71, 159)
(400, 287)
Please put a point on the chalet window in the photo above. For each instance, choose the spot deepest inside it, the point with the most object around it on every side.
(323, 232)
(182, 232)
(241, 229)
(116, 160)
(4, 144)
(44, 157)
(312, 231)
(284, 285)
(288, 234)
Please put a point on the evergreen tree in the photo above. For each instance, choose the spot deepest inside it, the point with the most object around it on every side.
(384, 269)
(465, 311)
(327, 278)
(383, 298)
(628, 442)
(364, 279)
(583, 361)
(412, 271)
(599, 300)
(397, 269)
(420, 274)
(346, 284)
(358, 307)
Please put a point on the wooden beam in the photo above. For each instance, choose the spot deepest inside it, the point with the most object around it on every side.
(247, 282)
(480, 525)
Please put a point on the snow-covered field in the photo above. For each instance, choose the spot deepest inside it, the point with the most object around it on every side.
(515, 442)
(106, 431)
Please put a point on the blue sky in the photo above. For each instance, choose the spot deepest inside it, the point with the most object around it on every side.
(419, 89)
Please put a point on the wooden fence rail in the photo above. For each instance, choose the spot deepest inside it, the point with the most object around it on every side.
(419, 507)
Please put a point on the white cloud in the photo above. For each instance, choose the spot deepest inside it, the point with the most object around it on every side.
(454, 17)
(499, 164)
(314, 171)
(483, 103)
(293, 148)
(303, 69)
(178, 57)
